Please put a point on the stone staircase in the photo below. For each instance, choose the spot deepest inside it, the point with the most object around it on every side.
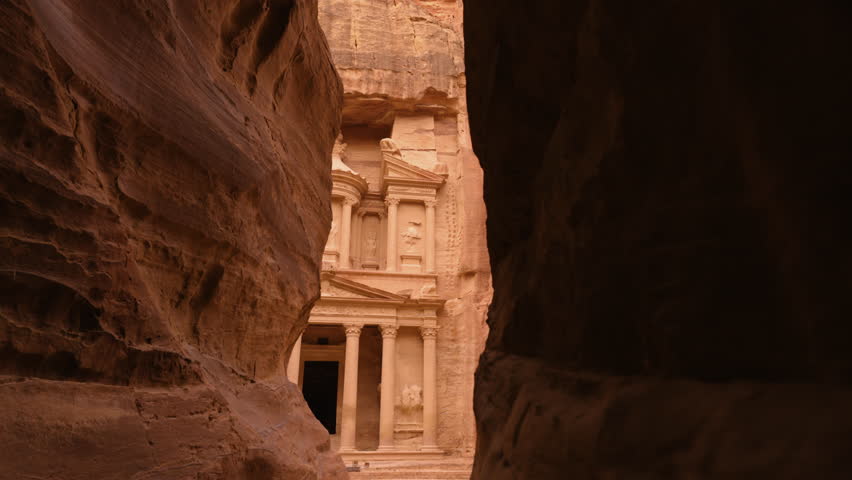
(451, 469)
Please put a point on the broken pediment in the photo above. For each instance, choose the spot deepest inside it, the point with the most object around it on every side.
(395, 170)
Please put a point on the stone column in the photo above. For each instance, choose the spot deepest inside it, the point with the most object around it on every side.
(430, 389)
(387, 404)
(430, 235)
(345, 232)
(383, 223)
(293, 365)
(350, 389)
(358, 233)
(393, 231)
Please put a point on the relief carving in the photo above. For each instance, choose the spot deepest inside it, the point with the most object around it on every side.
(389, 147)
(332, 236)
(415, 190)
(332, 291)
(352, 310)
(411, 236)
(371, 244)
(412, 397)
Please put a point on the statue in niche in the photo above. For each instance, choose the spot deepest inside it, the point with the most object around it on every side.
(370, 244)
(389, 147)
(332, 235)
(412, 397)
(339, 149)
(411, 236)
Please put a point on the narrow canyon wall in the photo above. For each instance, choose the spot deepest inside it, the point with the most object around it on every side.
(164, 202)
(668, 230)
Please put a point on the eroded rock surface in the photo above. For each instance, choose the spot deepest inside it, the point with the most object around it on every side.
(402, 68)
(164, 189)
(396, 56)
(668, 235)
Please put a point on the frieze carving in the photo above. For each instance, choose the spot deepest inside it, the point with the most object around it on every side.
(332, 291)
(352, 330)
(388, 331)
(414, 190)
(352, 310)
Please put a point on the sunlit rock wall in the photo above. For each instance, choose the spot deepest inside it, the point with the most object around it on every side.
(164, 188)
(668, 230)
(402, 68)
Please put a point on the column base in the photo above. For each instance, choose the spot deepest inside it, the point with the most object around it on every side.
(386, 448)
(431, 449)
(347, 450)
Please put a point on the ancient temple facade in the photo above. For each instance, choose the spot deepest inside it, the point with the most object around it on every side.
(387, 360)
(368, 363)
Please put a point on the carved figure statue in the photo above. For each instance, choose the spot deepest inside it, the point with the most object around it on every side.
(412, 397)
(411, 236)
(339, 148)
(332, 235)
(370, 244)
(389, 146)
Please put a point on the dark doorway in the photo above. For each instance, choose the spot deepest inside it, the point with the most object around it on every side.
(319, 386)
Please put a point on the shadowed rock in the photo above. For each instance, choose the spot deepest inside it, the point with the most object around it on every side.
(668, 238)
(164, 189)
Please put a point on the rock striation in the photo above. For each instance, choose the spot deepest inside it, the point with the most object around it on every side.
(668, 236)
(164, 203)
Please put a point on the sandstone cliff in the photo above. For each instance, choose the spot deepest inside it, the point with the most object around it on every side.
(164, 188)
(668, 230)
(396, 56)
(401, 62)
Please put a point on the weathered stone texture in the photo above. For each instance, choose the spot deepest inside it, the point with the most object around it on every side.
(667, 230)
(164, 189)
(401, 62)
(395, 55)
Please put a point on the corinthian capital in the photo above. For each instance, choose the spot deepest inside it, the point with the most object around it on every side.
(388, 331)
(430, 203)
(391, 201)
(428, 332)
(352, 330)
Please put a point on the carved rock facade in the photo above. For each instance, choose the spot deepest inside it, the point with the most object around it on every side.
(407, 262)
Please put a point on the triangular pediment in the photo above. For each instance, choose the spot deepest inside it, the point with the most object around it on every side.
(400, 169)
(395, 169)
(333, 286)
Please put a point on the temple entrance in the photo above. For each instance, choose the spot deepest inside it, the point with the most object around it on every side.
(320, 390)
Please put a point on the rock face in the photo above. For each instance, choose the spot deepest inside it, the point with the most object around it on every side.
(396, 56)
(402, 68)
(164, 203)
(669, 239)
